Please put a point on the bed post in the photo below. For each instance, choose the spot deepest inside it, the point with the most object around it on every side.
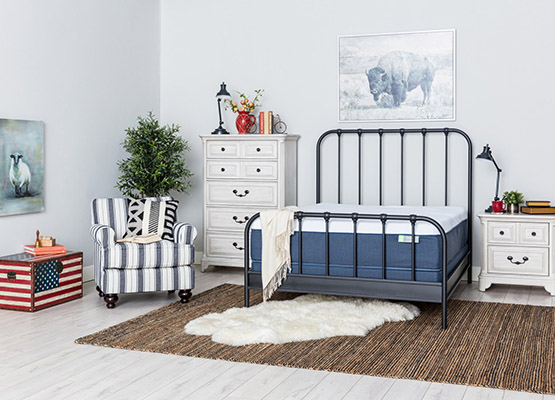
(247, 254)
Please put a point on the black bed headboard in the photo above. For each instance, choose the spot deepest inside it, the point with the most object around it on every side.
(402, 133)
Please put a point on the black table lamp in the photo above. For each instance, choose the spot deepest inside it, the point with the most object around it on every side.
(486, 155)
(222, 94)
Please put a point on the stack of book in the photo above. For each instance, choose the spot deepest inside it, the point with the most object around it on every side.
(45, 251)
(266, 122)
(538, 207)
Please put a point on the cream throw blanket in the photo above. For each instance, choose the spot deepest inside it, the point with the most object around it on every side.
(277, 228)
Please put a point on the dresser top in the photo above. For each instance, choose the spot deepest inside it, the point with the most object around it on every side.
(251, 136)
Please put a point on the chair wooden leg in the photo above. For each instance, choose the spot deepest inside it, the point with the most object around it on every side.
(111, 300)
(100, 293)
(185, 295)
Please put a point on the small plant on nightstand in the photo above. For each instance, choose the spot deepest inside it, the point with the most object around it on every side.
(513, 198)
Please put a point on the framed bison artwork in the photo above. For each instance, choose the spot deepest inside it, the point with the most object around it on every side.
(21, 166)
(397, 76)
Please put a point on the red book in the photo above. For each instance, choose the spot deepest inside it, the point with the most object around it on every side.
(261, 119)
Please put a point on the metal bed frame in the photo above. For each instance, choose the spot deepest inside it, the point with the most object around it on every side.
(433, 292)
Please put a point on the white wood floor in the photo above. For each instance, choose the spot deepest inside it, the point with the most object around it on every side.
(40, 360)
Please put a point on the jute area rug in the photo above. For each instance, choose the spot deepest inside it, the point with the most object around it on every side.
(493, 345)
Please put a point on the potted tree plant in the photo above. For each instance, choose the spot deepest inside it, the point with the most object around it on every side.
(512, 199)
(156, 163)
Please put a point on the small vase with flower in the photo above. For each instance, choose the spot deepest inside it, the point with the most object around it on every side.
(245, 120)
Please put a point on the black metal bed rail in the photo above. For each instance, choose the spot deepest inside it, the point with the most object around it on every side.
(355, 218)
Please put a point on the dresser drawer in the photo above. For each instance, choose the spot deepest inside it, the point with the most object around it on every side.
(216, 169)
(241, 193)
(537, 234)
(260, 170)
(502, 232)
(259, 149)
(518, 260)
(222, 149)
(224, 245)
(228, 219)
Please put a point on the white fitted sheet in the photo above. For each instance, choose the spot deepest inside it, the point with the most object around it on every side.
(447, 216)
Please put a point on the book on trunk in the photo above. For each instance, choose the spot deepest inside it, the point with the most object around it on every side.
(538, 210)
(43, 251)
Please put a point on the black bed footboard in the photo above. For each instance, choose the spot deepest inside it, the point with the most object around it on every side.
(413, 290)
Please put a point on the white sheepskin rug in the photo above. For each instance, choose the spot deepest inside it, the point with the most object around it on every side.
(306, 317)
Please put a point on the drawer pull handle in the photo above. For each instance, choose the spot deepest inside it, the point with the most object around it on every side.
(534, 234)
(524, 259)
(501, 233)
(222, 149)
(258, 149)
(258, 170)
(223, 169)
(236, 219)
(11, 275)
(237, 246)
(239, 194)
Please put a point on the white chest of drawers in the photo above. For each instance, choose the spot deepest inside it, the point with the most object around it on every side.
(243, 174)
(518, 249)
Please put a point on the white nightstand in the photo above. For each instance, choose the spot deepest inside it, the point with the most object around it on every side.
(517, 249)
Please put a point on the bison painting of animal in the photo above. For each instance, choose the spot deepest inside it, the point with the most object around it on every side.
(397, 76)
(21, 166)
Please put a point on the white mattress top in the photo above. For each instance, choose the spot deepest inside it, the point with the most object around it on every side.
(448, 217)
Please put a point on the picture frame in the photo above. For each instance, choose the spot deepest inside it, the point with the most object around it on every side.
(21, 167)
(391, 77)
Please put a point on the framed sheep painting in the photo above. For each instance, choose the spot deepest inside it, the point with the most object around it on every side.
(397, 77)
(21, 166)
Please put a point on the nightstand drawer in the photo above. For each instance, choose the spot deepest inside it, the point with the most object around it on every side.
(260, 170)
(222, 149)
(260, 149)
(534, 234)
(222, 169)
(518, 260)
(502, 232)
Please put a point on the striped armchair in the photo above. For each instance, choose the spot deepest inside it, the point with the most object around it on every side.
(132, 267)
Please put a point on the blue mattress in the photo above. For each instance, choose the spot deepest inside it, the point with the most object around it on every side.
(398, 254)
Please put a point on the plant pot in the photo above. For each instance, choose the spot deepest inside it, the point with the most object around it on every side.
(512, 209)
(244, 122)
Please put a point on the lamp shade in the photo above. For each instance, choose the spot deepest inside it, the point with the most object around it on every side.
(485, 154)
(223, 93)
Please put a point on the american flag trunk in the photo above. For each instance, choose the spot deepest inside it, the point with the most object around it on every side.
(31, 283)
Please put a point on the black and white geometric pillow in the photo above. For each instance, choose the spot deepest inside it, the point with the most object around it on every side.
(146, 216)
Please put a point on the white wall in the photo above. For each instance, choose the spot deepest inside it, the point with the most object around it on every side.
(504, 76)
(87, 69)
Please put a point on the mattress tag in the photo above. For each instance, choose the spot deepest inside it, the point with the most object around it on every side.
(408, 239)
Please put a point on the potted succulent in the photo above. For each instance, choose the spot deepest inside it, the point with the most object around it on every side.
(512, 199)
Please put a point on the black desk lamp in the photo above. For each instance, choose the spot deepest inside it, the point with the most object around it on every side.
(222, 94)
(486, 155)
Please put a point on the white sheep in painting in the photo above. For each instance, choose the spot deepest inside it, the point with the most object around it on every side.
(19, 175)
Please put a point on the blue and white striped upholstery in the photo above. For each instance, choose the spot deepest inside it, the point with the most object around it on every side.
(132, 267)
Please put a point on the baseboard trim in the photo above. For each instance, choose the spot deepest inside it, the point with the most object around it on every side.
(475, 272)
(88, 273)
